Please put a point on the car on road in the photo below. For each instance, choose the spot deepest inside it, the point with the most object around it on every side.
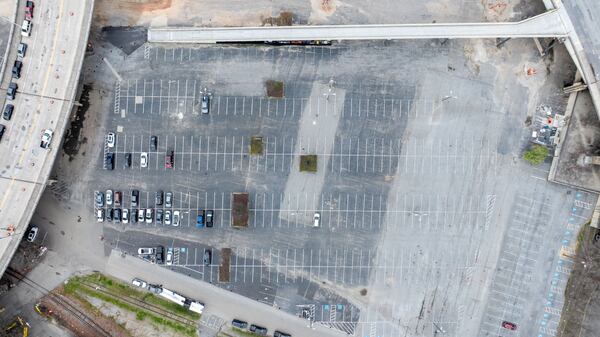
(200, 219)
(26, 28)
(205, 103)
(158, 198)
(317, 219)
(110, 139)
(127, 162)
(8, 111)
(207, 258)
(146, 251)
(144, 159)
(109, 214)
(509, 325)
(32, 233)
(281, 334)
(109, 197)
(29, 10)
(118, 198)
(139, 283)
(117, 215)
(239, 324)
(16, 69)
(2, 128)
(169, 159)
(46, 138)
(153, 143)
(169, 199)
(11, 91)
(159, 216)
(135, 195)
(176, 218)
(208, 217)
(259, 330)
(141, 216)
(169, 259)
(21, 50)
(125, 215)
(100, 215)
(167, 217)
(148, 215)
(99, 198)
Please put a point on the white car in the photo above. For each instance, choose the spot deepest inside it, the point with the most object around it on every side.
(26, 28)
(110, 139)
(169, 257)
(167, 217)
(146, 251)
(148, 215)
(46, 138)
(125, 216)
(100, 215)
(32, 233)
(176, 218)
(144, 159)
(109, 197)
(139, 283)
(317, 219)
(140, 215)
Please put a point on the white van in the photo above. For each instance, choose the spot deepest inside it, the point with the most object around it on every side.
(26, 28)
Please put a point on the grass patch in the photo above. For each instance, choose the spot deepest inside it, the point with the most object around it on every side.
(536, 154)
(274, 88)
(256, 145)
(308, 163)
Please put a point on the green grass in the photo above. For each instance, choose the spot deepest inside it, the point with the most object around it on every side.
(536, 154)
(308, 163)
(256, 145)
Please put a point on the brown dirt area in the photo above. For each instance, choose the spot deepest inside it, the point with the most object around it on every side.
(224, 267)
(274, 89)
(581, 311)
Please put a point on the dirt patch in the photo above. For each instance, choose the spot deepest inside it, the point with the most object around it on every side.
(256, 145)
(224, 266)
(146, 5)
(284, 19)
(274, 89)
(308, 163)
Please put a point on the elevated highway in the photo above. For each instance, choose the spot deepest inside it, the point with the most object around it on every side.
(44, 99)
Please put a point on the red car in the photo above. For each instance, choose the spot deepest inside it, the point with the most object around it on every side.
(169, 160)
(509, 325)
(29, 10)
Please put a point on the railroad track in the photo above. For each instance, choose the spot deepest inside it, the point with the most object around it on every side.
(142, 304)
(59, 300)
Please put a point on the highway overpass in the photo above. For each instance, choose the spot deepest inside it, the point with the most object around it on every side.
(44, 99)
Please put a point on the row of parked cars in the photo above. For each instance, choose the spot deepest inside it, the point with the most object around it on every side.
(156, 255)
(256, 329)
(109, 158)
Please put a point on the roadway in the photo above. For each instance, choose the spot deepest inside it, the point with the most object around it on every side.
(44, 100)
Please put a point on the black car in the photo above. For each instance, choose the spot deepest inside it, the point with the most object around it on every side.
(16, 70)
(127, 162)
(159, 216)
(2, 128)
(134, 215)
(281, 334)
(8, 111)
(11, 92)
(207, 257)
(239, 324)
(158, 198)
(109, 161)
(135, 194)
(160, 254)
(117, 215)
(109, 215)
(208, 217)
(259, 330)
(153, 143)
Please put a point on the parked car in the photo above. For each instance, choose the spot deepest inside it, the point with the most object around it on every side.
(144, 159)
(176, 218)
(32, 233)
(153, 143)
(46, 138)
(109, 214)
(169, 199)
(207, 259)
(118, 198)
(139, 283)
(109, 197)
(109, 161)
(159, 216)
(141, 216)
(110, 139)
(125, 215)
(133, 215)
(509, 325)
(169, 159)
(127, 162)
(205, 103)
(259, 330)
(159, 256)
(26, 28)
(21, 50)
(169, 259)
(99, 197)
(148, 215)
(135, 195)
(11, 91)
(167, 217)
(29, 10)
(200, 219)
(281, 334)
(16, 69)
(158, 198)
(155, 288)
(317, 219)
(146, 251)
(239, 324)
(2, 128)
(8, 111)
(208, 217)
(117, 215)
(100, 215)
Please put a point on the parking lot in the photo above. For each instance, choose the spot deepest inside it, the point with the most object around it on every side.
(430, 222)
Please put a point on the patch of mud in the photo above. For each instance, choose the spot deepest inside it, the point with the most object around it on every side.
(72, 142)
(128, 39)
(146, 5)
(284, 19)
(321, 10)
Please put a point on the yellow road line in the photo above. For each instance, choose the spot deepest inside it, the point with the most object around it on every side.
(35, 116)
